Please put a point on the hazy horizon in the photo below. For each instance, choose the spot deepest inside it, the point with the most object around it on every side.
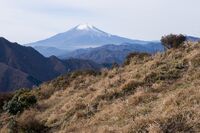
(28, 21)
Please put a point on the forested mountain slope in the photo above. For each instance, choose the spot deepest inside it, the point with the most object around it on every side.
(22, 66)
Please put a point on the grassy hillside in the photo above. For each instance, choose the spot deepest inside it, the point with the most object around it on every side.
(156, 94)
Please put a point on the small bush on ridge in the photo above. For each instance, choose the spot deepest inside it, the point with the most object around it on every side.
(172, 41)
(21, 100)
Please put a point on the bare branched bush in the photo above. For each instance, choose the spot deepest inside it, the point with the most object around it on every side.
(172, 40)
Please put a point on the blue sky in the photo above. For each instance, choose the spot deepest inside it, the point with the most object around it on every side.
(27, 21)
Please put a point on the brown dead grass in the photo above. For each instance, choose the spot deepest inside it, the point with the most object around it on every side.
(160, 94)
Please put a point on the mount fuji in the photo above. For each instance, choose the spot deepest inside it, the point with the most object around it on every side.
(81, 36)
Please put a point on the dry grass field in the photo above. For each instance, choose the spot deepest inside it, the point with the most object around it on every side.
(148, 94)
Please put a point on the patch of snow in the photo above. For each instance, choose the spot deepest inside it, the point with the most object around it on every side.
(94, 30)
(84, 27)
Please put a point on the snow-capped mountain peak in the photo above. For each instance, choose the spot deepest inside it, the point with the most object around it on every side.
(87, 28)
(81, 36)
(84, 27)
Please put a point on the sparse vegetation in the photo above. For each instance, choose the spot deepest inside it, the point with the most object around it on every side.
(26, 123)
(137, 57)
(62, 82)
(29, 124)
(4, 97)
(173, 41)
(20, 101)
(167, 71)
(115, 65)
(155, 94)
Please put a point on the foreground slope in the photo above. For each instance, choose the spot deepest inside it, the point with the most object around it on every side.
(155, 94)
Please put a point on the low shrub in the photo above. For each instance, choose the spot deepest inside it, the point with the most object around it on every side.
(138, 57)
(12, 125)
(195, 62)
(168, 71)
(21, 100)
(4, 97)
(30, 124)
(115, 65)
(26, 123)
(84, 73)
(176, 124)
(173, 41)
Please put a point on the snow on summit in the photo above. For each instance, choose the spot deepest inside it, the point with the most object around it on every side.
(81, 36)
(84, 27)
(92, 29)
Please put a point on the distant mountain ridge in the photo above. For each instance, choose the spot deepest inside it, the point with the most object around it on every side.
(22, 66)
(49, 51)
(11, 79)
(113, 53)
(192, 38)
